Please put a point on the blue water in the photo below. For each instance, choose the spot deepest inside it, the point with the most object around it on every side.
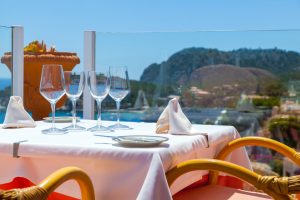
(108, 116)
(2, 115)
(4, 82)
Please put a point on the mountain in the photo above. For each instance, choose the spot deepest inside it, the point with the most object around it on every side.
(212, 76)
(180, 66)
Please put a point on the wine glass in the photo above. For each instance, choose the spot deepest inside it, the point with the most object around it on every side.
(52, 88)
(119, 88)
(74, 88)
(99, 85)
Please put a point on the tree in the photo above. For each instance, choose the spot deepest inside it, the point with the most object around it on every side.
(275, 89)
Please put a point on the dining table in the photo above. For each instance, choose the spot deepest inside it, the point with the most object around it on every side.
(117, 171)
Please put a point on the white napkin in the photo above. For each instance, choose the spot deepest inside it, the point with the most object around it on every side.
(172, 120)
(16, 116)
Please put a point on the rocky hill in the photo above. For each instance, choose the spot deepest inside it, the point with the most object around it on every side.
(181, 65)
(209, 77)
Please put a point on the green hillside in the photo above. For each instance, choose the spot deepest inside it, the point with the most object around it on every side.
(182, 64)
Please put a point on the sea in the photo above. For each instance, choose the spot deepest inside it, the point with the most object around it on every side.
(107, 116)
(5, 82)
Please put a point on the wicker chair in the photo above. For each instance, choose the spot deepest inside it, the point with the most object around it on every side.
(255, 141)
(48, 185)
(275, 187)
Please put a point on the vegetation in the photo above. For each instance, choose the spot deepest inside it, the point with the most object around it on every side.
(130, 99)
(266, 102)
(184, 62)
(37, 47)
(275, 89)
(277, 164)
(135, 86)
(152, 92)
(286, 130)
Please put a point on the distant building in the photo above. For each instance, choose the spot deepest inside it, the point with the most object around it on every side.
(294, 88)
(293, 93)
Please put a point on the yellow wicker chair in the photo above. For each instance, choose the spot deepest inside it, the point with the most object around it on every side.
(290, 185)
(48, 185)
(277, 188)
(255, 141)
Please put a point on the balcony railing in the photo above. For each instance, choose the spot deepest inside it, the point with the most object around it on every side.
(240, 78)
(234, 77)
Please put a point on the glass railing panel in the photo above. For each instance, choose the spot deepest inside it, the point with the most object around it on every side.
(73, 62)
(5, 69)
(238, 78)
(39, 52)
(188, 65)
(76, 70)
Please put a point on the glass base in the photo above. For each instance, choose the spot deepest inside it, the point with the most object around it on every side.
(54, 131)
(99, 129)
(74, 128)
(119, 127)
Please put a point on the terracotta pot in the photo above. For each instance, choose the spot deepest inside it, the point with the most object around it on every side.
(33, 62)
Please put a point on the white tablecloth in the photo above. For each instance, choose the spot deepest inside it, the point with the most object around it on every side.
(117, 172)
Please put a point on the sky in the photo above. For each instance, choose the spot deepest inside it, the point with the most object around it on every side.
(62, 23)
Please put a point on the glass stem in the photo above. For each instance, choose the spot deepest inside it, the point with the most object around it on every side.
(74, 113)
(118, 112)
(99, 123)
(53, 115)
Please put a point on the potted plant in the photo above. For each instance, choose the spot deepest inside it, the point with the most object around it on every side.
(35, 56)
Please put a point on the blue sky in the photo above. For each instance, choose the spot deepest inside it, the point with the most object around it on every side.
(62, 22)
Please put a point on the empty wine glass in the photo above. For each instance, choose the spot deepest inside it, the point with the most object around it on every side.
(119, 88)
(74, 87)
(99, 85)
(52, 88)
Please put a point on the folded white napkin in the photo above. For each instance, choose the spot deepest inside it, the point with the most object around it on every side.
(16, 116)
(173, 120)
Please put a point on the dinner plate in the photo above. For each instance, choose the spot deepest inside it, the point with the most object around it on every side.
(140, 140)
(59, 119)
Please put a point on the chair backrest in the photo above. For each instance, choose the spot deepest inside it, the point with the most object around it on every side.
(255, 141)
(49, 184)
(276, 187)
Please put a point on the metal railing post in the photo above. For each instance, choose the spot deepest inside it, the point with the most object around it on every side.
(18, 60)
(89, 64)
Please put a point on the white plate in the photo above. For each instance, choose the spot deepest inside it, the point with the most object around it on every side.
(59, 119)
(140, 140)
